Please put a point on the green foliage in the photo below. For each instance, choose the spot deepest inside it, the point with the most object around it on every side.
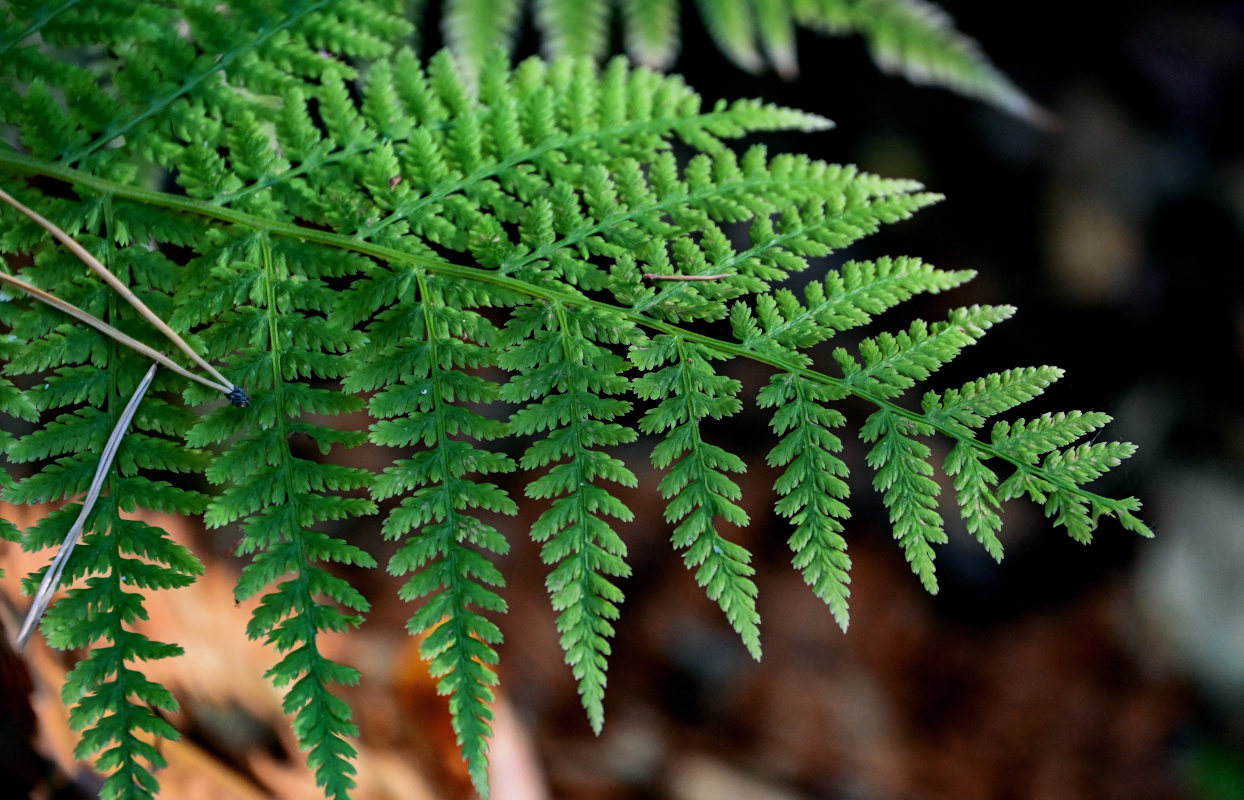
(679, 374)
(552, 260)
(912, 38)
(567, 377)
(113, 705)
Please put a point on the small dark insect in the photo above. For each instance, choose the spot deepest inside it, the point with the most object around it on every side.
(237, 396)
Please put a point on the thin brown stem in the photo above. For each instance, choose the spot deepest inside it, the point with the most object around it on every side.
(106, 329)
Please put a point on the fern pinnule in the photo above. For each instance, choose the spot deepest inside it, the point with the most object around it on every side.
(976, 401)
(652, 31)
(573, 28)
(474, 29)
(111, 702)
(812, 487)
(418, 355)
(917, 39)
(893, 363)
(733, 28)
(904, 477)
(913, 38)
(1028, 440)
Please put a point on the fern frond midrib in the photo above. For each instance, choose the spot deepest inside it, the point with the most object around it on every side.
(292, 491)
(543, 292)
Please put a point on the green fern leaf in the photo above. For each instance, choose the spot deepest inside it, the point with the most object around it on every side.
(575, 28)
(917, 39)
(279, 496)
(652, 33)
(1028, 440)
(733, 29)
(350, 223)
(893, 363)
(475, 28)
(417, 352)
(976, 492)
(913, 38)
(983, 398)
(775, 27)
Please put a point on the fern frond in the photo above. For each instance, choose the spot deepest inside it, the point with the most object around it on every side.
(909, 492)
(652, 31)
(812, 487)
(917, 39)
(893, 363)
(570, 378)
(574, 28)
(1028, 440)
(345, 222)
(845, 299)
(115, 707)
(913, 38)
(976, 401)
(475, 28)
(970, 406)
(111, 702)
(775, 27)
(733, 28)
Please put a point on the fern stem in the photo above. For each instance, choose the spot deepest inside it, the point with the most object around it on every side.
(42, 17)
(652, 276)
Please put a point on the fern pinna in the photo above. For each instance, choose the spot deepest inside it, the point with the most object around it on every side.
(510, 275)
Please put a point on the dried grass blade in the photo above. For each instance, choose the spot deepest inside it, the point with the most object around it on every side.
(106, 329)
(51, 579)
(123, 290)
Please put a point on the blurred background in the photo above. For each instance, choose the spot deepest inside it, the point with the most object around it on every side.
(1113, 670)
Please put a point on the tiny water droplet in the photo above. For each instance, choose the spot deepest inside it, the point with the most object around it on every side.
(423, 391)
